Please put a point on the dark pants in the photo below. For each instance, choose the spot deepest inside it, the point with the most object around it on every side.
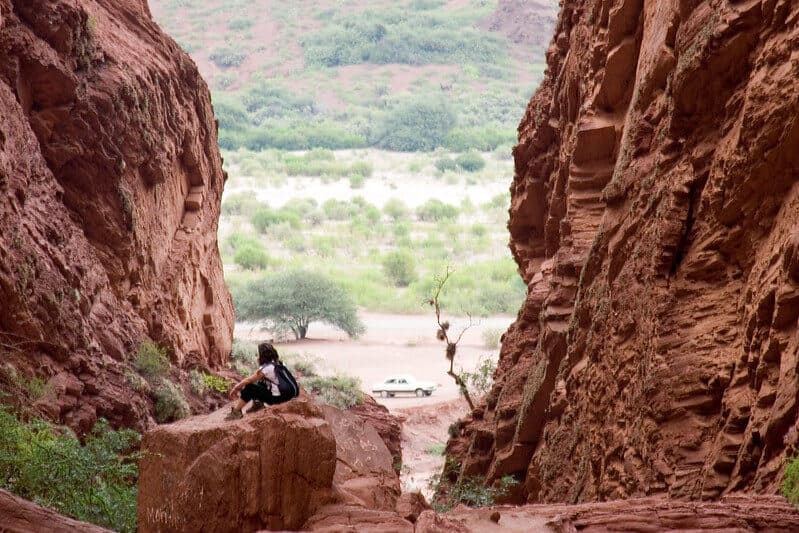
(261, 392)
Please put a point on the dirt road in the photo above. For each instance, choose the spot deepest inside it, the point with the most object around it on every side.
(393, 344)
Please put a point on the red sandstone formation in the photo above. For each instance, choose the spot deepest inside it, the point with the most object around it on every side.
(739, 513)
(290, 466)
(654, 217)
(21, 516)
(110, 184)
(387, 425)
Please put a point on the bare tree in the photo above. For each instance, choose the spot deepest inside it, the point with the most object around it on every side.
(443, 334)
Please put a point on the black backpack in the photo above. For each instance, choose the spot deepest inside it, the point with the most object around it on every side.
(285, 382)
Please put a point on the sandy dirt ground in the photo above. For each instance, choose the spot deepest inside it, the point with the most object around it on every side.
(424, 435)
(393, 344)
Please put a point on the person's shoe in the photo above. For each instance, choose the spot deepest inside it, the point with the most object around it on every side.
(256, 406)
(234, 414)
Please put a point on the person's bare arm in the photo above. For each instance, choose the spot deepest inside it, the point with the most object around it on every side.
(246, 381)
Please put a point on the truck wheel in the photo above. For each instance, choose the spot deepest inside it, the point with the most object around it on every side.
(419, 393)
(384, 394)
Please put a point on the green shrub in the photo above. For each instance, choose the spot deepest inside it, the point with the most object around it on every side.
(225, 80)
(268, 134)
(301, 166)
(319, 154)
(265, 100)
(231, 115)
(339, 391)
(416, 124)
(324, 245)
(500, 201)
(362, 168)
(244, 351)
(790, 481)
(251, 257)
(235, 241)
(95, 482)
(444, 164)
(468, 490)
(400, 267)
(401, 231)
(151, 360)
(396, 209)
(170, 404)
(436, 449)
(197, 383)
(479, 380)
(470, 162)
(356, 181)
(483, 139)
(302, 366)
(305, 208)
(215, 383)
(264, 218)
(35, 388)
(434, 210)
(227, 56)
(396, 35)
(339, 210)
(240, 24)
(478, 230)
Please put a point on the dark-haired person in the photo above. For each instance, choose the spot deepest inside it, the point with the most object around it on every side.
(261, 387)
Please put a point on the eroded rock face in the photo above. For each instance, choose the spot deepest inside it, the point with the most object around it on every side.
(110, 185)
(21, 516)
(388, 425)
(744, 513)
(654, 217)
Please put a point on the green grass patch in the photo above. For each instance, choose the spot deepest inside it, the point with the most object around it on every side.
(339, 391)
(94, 482)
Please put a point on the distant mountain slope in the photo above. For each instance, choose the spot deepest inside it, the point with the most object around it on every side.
(325, 74)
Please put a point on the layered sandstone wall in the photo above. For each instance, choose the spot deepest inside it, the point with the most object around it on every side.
(654, 217)
(110, 185)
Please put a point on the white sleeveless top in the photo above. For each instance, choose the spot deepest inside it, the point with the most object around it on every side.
(269, 374)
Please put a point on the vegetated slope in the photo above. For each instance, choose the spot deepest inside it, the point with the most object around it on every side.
(110, 185)
(297, 75)
(653, 215)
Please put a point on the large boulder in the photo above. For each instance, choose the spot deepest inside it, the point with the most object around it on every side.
(388, 426)
(270, 470)
(290, 466)
(364, 465)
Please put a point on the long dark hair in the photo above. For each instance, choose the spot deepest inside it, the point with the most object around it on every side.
(266, 354)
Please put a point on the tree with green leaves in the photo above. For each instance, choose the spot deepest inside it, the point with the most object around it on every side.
(293, 300)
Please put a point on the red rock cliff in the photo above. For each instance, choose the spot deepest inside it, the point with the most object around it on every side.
(110, 184)
(654, 217)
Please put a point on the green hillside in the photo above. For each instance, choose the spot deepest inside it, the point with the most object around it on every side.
(408, 75)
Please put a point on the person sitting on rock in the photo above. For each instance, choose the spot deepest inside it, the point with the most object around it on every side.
(261, 387)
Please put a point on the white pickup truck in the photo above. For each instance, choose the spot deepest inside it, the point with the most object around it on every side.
(403, 383)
